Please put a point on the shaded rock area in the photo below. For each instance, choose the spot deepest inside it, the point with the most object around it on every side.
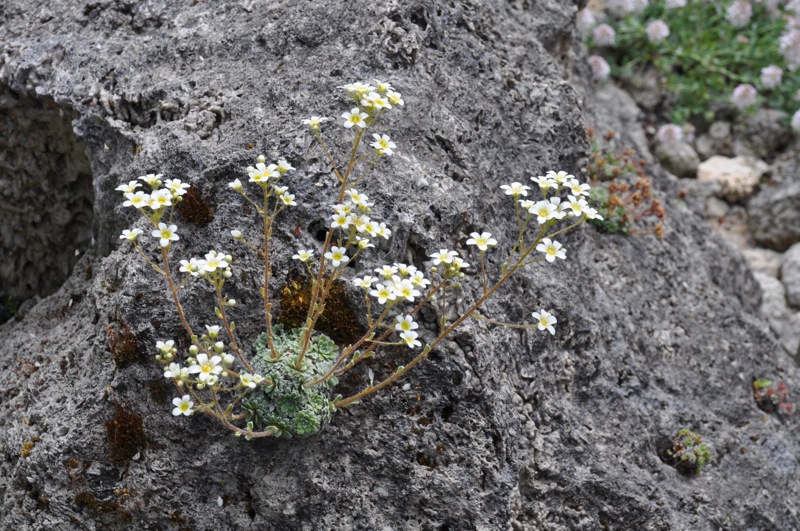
(500, 428)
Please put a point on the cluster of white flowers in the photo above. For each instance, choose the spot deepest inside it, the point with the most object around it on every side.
(621, 8)
(604, 35)
(657, 31)
(214, 263)
(789, 44)
(554, 208)
(394, 283)
(669, 133)
(744, 96)
(771, 76)
(153, 205)
(739, 13)
(599, 66)
(352, 217)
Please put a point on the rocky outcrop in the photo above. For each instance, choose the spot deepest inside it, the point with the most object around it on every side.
(499, 427)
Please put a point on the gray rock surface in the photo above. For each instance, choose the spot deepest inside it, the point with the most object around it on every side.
(762, 134)
(784, 321)
(679, 158)
(790, 275)
(717, 141)
(500, 428)
(774, 216)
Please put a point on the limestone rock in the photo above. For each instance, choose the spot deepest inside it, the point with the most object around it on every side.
(774, 216)
(717, 141)
(784, 321)
(790, 275)
(500, 428)
(762, 134)
(763, 261)
(738, 177)
(679, 158)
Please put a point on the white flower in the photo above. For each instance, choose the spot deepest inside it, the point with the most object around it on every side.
(160, 199)
(193, 266)
(206, 367)
(128, 188)
(404, 323)
(483, 241)
(382, 86)
(395, 98)
(459, 263)
(363, 243)
(410, 339)
(383, 293)
(262, 173)
(153, 179)
(600, 68)
(404, 269)
(213, 331)
(288, 199)
(771, 76)
(166, 234)
(744, 96)
(376, 101)
(383, 144)
(173, 371)
(355, 118)
(560, 177)
(419, 280)
(358, 89)
(215, 261)
(165, 346)
(386, 271)
(183, 406)
(383, 232)
(357, 197)
(138, 200)
(284, 166)
(131, 234)
(546, 320)
(544, 182)
(551, 249)
(515, 189)
(236, 184)
(176, 186)
(405, 290)
(578, 188)
(337, 256)
(341, 221)
(364, 283)
(314, 122)
(247, 380)
(657, 31)
(257, 378)
(443, 257)
(544, 211)
(237, 234)
(303, 255)
(576, 207)
(604, 35)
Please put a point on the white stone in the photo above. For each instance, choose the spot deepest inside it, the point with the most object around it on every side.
(738, 177)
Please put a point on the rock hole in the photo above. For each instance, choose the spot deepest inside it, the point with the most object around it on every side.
(46, 198)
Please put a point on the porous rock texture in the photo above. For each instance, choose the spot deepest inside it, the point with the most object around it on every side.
(501, 428)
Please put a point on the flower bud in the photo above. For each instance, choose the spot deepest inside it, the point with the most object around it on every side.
(231, 302)
(158, 357)
(227, 273)
(219, 346)
(169, 356)
(262, 159)
(237, 234)
(193, 350)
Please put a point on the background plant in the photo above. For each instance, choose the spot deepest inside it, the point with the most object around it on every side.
(688, 454)
(622, 192)
(711, 49)
(285, 383)
(771, 397)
